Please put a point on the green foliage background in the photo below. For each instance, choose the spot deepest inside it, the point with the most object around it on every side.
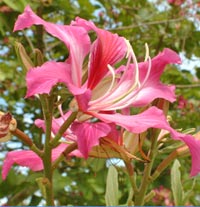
(81, 182)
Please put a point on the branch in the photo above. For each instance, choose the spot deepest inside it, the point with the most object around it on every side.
(188, 86)
(27, 140)
(142, 24)
(68, 150)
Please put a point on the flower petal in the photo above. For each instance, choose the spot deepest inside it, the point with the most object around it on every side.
(41, 79)
(56, 124)
(158, 63)
(88, 135)
(30, 159)
(75, 38)
(150, 92)
(149, 89)
(154, 118)
(25, 158)
(83, 100)
(107, 49)
(194, 147)
(152, 88)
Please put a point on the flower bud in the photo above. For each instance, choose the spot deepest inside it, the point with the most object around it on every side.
(7, 124)
(23, 57)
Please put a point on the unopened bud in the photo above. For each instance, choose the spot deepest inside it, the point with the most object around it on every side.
(23, 56)
(38, 57)
(7, 124)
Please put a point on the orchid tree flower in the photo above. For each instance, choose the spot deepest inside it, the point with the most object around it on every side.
(103, 89)
(86, 134)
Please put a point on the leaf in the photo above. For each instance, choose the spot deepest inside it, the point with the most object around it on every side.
(96, 164)
(197, 72)
(189, 192)
(177, 188)
(35, 200)
(111, 195)
(19, 6)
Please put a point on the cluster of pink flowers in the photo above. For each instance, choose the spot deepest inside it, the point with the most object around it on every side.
(162, 196)
(103, 99)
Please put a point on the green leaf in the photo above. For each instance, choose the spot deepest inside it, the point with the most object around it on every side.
(177, 188)
(198, 72)
(111, 195)
(96, 164)
(35, 200)
(19, 6)
(189, 192)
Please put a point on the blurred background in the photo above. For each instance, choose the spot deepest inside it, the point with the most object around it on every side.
(159, 23)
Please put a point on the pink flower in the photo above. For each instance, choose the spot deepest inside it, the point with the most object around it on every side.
(162, 196)
(182, 102)
(86, 134)
(101, 89)
(176, 2)
(105, 88)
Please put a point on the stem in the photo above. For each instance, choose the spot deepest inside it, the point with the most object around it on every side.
(164, 164)
(63, 128)
(143, 24)
(21, 135)
(140, 196)
(69, 149)
(130, 198)
(188, 86)
(134, 189)
(27, 140)
(149, 196)
(181, 151)
(47, 107)
(130, 171)
(40, 30)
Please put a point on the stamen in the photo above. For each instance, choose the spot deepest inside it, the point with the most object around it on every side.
(148, 70)
(147, 58)
(60, 108)
(147, 52)
(129, 48)
(110, 68)
(137, 81)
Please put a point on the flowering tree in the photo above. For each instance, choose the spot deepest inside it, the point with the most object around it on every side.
(98, 101)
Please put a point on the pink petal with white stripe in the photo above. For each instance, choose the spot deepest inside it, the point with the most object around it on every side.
(108, 48)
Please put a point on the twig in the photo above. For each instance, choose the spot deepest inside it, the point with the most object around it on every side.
(142, 24)
(188, 86)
